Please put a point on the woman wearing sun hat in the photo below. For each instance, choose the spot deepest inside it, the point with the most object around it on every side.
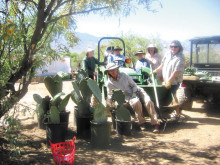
(154, 59)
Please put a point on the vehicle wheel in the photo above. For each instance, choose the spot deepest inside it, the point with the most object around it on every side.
(184, 97)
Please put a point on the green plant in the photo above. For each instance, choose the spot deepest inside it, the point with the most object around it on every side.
(50, 108)
(121, 112)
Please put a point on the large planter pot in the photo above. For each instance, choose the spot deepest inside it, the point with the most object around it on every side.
(123, 127)
(100, 135)
(82, 125)
(113, 118)
(55, 132)
(64, 118)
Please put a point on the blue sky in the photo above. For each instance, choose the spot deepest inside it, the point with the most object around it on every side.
(178, 19)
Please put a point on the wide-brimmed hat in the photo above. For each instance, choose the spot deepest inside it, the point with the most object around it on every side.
(117, 48)
(89, 50)
(139, 52)
(111, 66)
(151, 46)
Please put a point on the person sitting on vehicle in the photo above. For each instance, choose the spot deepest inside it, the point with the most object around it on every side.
(141, 62)
(89, 62)
(172, 66)
(155, 60)
(117, 57)
(133, 95)
(108, 52)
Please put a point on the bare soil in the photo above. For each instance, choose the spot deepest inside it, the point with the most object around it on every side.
(195, 139)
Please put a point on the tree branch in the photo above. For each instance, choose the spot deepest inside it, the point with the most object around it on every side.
(74, 13)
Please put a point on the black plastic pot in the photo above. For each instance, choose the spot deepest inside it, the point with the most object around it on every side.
(123, 127)
(82, 125)
(100, 135)
(55, 132)
(64, 118)
(113, 119)
(41, 124)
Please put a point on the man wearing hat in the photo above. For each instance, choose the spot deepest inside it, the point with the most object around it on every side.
(141, 62)
(89, 62)
(133, 94)
(117, 57)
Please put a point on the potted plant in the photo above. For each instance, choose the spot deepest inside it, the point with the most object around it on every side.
(122, 114)
(100, 127)
(81, 96)
(53, 110)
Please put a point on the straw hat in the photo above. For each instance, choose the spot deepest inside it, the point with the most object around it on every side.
(111, 66)
(118, 48)
(139, 52)
(151, 46)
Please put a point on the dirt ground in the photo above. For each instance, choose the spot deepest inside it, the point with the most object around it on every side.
(193, 140)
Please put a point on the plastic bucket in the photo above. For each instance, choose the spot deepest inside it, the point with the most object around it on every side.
(64, 118)
(123, 127)
(55, 132)
(100, 135)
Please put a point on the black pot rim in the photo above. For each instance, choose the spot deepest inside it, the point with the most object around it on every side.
(95, 123)
(123, 121)
(48, 123)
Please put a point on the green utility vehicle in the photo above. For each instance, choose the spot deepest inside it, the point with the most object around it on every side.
(142, 79)
(202, 80)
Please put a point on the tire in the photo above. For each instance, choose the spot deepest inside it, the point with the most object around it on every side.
(184, 98)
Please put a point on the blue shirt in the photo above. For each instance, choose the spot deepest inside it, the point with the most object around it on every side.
(113, 58)
(141, 63)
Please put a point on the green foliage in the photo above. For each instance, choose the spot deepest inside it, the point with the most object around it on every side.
(37, 98)
(95, 89)
(122, 113)
(54, 116)
(190, 71)
(85, 90)
(53, 84)
(100, 114)
(63, 75)
(81, 75)
(118, 96)
(63, 103)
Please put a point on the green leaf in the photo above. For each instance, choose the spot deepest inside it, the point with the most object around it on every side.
(85, 90)
(95, 89)
(117, 95)
(53, 84)
(122, 114)
(54, 115)
(37, 98)
(100, 114)
(57, 99)
(64, 102)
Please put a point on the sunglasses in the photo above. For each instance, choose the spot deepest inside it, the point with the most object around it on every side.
(174, 47)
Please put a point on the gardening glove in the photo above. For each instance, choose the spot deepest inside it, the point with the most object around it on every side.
(154, 72)
(168, 84)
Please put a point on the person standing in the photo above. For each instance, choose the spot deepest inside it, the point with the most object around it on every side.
(141, 62)
(133, 95)
(172, 66)
(154, 59)
(89, 62)
(117, 57)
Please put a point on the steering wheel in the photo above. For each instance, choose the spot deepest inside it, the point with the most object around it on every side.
(119, 61)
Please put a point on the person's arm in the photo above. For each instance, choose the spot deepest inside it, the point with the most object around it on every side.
(98, 62)
(132, 84)
(84, 65)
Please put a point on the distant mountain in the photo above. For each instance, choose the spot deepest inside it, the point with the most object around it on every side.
(87, 40)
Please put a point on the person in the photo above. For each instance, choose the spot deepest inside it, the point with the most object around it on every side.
(89, 62)
(154, 59)
(117, 57)
(141, 62)
(172, 66)
(108, 52)
(133, 95)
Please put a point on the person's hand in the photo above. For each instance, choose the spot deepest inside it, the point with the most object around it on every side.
(95, 73)
(168, 84)
(154, 72)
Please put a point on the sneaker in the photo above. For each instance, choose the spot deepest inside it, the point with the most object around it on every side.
(156, 129)
(143, 127)
(174, 116)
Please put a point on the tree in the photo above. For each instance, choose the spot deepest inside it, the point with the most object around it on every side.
(133, 43)
(27, 29)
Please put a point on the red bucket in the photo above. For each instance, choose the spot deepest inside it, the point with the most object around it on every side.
(64, 152)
